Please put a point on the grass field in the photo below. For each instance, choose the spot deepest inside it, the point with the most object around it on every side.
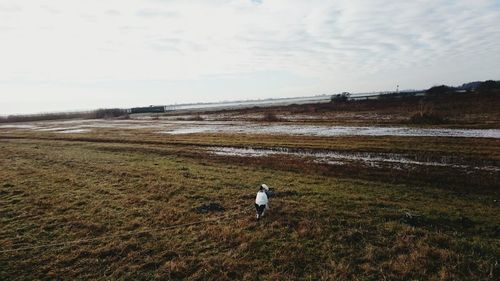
(123, 198)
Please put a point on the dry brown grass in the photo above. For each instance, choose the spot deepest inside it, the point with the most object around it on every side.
(327, 224)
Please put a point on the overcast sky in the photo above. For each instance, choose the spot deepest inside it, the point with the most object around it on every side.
(62, 55)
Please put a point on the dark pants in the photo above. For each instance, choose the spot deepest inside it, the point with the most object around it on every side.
(260, 208)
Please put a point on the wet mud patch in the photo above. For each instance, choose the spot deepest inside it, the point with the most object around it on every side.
(327, 130)
(209, 208)
(365, 159)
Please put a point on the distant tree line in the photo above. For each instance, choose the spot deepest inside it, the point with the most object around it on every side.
(480, 87)
(94, 114)
(425, 114)
(425, 111)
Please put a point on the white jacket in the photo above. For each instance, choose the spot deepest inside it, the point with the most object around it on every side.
(261, 198)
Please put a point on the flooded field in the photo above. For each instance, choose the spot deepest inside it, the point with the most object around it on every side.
(372, 159)
(239, 127)
(332, 131)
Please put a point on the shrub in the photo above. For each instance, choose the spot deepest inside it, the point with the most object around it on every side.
(109, 113)
(344, 97)
(95, 114)
(489, 85)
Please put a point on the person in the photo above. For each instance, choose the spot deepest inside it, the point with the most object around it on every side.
(261, 201)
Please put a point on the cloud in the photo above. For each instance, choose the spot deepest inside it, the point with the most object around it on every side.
(306, 38)
(9, 8)
(338, 43)
(152, 13)
(112, 12)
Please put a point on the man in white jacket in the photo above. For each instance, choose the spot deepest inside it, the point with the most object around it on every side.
(261, 201)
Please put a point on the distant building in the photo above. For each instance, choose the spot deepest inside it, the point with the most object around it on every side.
(148, 109)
